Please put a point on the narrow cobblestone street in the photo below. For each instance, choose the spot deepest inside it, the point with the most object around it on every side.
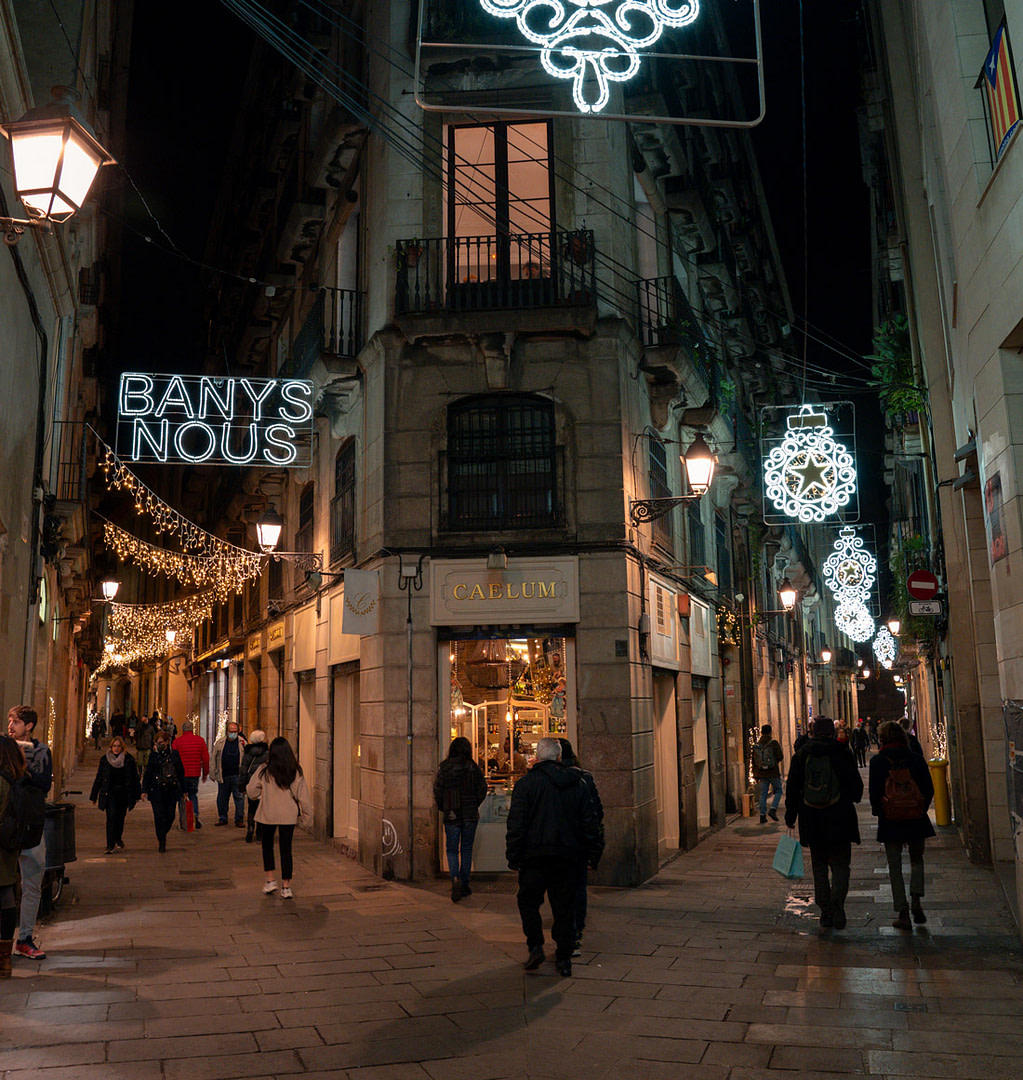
(177, 966)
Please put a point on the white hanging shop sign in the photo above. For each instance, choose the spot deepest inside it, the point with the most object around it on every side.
(214, 420)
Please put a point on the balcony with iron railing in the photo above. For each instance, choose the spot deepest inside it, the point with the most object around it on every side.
(482, 273)
(332, 334)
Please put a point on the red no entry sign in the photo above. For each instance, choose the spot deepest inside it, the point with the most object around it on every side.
(922, 585)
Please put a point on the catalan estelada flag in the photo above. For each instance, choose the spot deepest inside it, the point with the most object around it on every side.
(1003, 100)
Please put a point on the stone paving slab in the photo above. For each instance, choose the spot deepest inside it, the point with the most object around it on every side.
(177, 967)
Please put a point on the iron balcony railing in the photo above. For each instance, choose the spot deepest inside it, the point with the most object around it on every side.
(67, 469)
(666, 318)
(474, 273)
(332, 328)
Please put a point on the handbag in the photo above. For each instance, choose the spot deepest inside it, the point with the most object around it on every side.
(788, 857)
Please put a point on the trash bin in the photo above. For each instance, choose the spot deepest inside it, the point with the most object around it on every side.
(942, 801)
(59, 834)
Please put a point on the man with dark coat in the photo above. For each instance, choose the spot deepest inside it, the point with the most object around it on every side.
(823, 783)
(552, 828)
(908, 831)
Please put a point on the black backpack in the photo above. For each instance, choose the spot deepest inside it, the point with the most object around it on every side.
(821, 786)
(24, 817)
(168, 775)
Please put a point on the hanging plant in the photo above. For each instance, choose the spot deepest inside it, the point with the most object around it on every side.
(892, 369)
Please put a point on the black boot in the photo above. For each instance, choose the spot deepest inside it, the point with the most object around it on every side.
(248, 833)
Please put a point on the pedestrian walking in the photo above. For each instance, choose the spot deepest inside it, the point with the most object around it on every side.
(253, 756)
(552, 827)
(823, 784)
(284, 802)
(145, 734)
(163, 784)
(581, 900)
(21, 726)
(196, 759)
(901, 790)
(767, 759)
(911, 740)
(459, 789)
(225, 769)
(12, 769)
(116, 790)
(860, 742)
(96, 730)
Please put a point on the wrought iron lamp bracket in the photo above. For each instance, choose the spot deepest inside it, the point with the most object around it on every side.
(646, 510)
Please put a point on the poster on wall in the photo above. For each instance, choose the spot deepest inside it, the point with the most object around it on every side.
(214, 420)
(997, 542)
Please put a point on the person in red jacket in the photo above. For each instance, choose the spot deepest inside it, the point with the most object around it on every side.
(196, 759)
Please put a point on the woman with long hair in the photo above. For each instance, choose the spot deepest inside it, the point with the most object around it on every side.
(12, 769)
(284, 802)
(116, 790)
(459, 789)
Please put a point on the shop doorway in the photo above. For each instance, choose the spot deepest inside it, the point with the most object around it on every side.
(666, 764)
(307, 730)
(504, 694)
(347, 754)
(701, 755)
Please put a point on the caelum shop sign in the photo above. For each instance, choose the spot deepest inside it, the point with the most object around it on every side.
(465, 592)
(214, 420)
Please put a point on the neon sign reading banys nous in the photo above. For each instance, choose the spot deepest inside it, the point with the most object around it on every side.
(214, 420)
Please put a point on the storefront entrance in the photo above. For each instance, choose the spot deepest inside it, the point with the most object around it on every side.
(504, 694)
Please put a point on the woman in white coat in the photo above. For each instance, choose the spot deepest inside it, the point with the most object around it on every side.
(284, 802)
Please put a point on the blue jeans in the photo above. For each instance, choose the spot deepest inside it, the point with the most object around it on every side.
(33, 865)
(765, 786)
(191, 792)
(459, 836)
(228, 789)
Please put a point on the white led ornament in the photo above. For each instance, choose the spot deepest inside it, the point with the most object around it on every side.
(850, 570)
(809, 476)
(885, 647)
(854, 619)
(593, 39)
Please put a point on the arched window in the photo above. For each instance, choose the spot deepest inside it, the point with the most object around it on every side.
(502, 464)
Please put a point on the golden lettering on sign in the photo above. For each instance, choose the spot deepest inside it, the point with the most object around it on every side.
(528, 590)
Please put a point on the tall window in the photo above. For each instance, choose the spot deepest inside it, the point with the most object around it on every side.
(342, 505)
(499, 190)
(663, 527)
(724, 556)
(304, 536)
(697, 537)
(502, 464)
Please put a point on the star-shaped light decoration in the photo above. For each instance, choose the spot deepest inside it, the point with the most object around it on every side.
(885, 647)
(854, 619)
(809, 476)
(850, 570)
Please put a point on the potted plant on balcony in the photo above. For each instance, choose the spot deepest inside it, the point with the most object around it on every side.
(413, 251)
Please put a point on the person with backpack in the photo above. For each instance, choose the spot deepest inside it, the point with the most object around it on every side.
(253, 756)
(767, 758)
(12, 770)
(570, 761)
(823, 784)
(116, 790)
(163, 784)
(21, 726)
(459, 789)
(901, 790)
(145, 735)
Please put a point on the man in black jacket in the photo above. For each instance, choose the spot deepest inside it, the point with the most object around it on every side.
(552, 829)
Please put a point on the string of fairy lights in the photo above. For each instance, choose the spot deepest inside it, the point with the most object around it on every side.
(215, 567)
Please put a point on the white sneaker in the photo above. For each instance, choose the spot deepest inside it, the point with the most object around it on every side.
(286, 893)
(269, 887)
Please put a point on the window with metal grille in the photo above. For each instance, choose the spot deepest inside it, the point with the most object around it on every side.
(663, 527)
(342, 505)
(724, 556)
(502, 464)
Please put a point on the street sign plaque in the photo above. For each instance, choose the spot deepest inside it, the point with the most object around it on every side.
(925, 607)
(922, 585)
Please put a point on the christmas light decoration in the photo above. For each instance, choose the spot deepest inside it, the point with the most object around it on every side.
(227, 571)
(809, 476)
(854, 619)
(156, 619)
(850, 570)
(885, 647)
(593, 40)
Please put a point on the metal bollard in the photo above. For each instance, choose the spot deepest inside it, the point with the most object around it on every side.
(942, 802)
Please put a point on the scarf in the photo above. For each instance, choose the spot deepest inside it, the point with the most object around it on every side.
(117, 761)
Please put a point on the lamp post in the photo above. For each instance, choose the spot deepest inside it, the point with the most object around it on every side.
(410, 579)
(268, 535)
(699, 464)
(56, 158)
(894, 625)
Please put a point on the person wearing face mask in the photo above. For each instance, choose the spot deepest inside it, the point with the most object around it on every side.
(163, 784)
(225, 768)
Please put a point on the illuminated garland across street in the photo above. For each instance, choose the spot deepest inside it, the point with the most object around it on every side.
(809, 476)
(181, 615)
(595, 40)
(885, 647)
(226, 571)
(165, 518)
